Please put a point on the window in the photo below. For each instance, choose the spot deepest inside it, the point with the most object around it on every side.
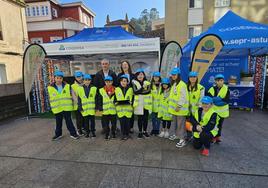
(28, 11)
(37, 40)
(3, 74)
(222, 3)
(37, 11)
(33, 11)
(54, 12)
(43, 11)
(1, 31)
(46, 8)
(195, 3)
(194, 31)
(53, 39)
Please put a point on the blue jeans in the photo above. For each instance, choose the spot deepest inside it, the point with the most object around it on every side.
(155, 122)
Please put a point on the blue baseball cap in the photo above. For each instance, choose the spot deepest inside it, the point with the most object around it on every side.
(58, 73)
(207, 100)
(87, 77)
(219, 76)
(78, 74)
(175, 70)
(123, 76)
(165, 81)
(139, 70)
(108, 78)
(156, 74)
(193, 74)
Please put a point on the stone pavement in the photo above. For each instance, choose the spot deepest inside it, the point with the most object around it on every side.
(28, 158)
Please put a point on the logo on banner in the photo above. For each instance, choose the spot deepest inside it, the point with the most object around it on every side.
(62, 47)
(209, 47)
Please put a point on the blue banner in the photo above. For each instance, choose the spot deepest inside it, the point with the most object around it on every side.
(241, 96)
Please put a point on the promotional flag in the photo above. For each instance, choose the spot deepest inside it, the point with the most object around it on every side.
(170, 58)
(204, 54)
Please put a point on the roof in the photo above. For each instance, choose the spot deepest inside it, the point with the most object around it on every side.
(152, 34)
(118, 22)
(100, 34)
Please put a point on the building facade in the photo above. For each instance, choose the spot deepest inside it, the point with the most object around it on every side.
(125, 24)
(185, 19)
(13, 35)
(158, 24)
(48, 20)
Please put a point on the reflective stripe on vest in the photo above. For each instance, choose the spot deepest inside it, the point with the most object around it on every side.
(88, 103)
(124, 110)
(223, 111)
(174, 98)
(60, 101)
(204, 121)
(107, 103)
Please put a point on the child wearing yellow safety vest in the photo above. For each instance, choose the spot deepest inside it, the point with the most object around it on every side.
(142, 101)
(86, 104)
(178, 106)
(106, 103)
(155, 89)
(78, 116)
(61, 104)
(123, 102)
(196, 93)
(220, 93)
(204, 127)
(163, 108)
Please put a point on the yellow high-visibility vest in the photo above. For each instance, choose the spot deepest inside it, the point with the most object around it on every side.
(125, 110)
(222, 111)
(60, 102)
(163, 108)
(204, 121)
(88, 103)
(108, 103)
(195, 97)
(174, 98)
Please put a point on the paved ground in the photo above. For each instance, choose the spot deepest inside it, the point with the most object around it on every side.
(28, 158)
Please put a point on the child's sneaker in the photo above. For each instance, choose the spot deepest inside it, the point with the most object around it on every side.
(80, 133)
(75, 137)
(181, 143)
(54, 138)
(146, 134)
(107, 137)
(166, 135)
(93, 135)
(205, 152)
(113, 135)
(140, 136)
(162, 134)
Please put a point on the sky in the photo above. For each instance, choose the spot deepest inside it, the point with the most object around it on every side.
(118, 8)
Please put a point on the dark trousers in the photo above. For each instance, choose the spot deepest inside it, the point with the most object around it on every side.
(204, 140)
(143, 121)
(155, 122)
(92, 123)
(132, 121)
(68, 120)
(106, 119)
(220, 126)
(125, 125)
(166, 124)
(79, 120)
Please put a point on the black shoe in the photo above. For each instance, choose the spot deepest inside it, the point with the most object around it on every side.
(75, 137)
(93, 134)
(140, 136)
(54, 138)
(152, 132)
(146, 134)
(113, 135)
(107, 137)
(87, 136)
(125, 138)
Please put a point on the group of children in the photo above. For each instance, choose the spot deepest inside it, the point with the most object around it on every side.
(166, 99)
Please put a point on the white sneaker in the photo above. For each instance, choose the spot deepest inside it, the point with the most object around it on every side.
(181, 143)
(162, 134)
(173, 137)
(166, 134)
